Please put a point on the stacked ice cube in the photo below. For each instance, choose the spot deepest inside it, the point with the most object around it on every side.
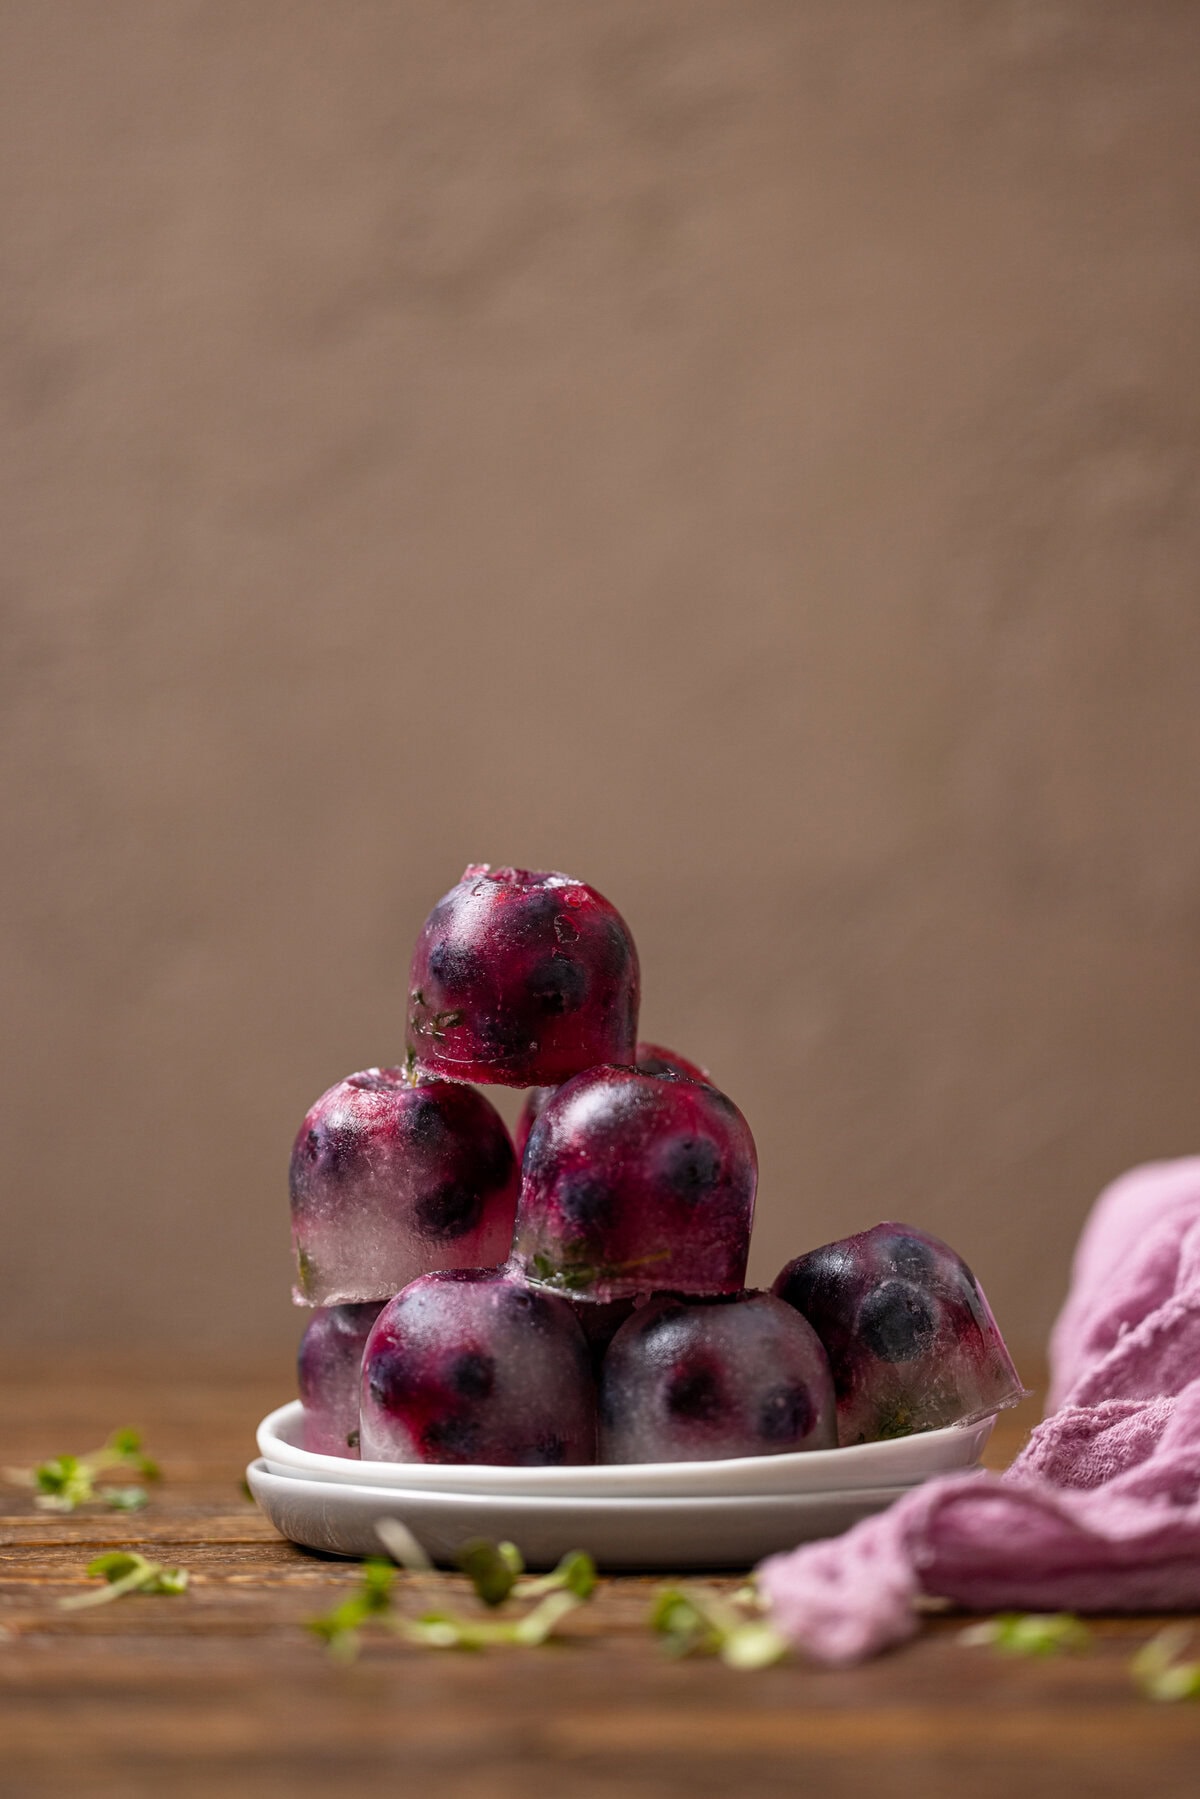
(588, 1303)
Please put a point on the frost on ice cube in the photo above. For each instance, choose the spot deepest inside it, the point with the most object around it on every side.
(910, 1337)
(475, 1366)
(390, 1180)
(697, 1380)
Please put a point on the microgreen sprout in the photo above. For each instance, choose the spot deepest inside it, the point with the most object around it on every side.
(1029, 1633)
(491, 1568)
(67, 1481)
(494, 1571)
(695, 1620)
(575, 1573)
(340, 1627)
(126, 1572)
(448, 1630)
(1157, 1671)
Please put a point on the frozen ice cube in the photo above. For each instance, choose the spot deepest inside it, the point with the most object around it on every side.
(636, 1182)
(390, 1180)
(476, 1366)
(522, 978)
(330, 1369)
(910, 1337)
(697, 1380)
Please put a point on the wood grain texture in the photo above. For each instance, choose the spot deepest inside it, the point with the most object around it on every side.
(223, 1691)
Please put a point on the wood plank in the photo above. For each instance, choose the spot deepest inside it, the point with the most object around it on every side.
(223, 1690)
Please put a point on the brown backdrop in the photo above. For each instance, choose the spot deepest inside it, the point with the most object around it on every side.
(744, 454)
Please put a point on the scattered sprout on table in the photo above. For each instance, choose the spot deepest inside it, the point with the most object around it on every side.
(494, 1571)
(1029, 1633)
(697, 1620)
(67, 1481)
(1157, 1671)
(126, 1572)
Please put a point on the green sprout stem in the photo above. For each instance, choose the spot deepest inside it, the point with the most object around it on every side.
(1029, 1633)
(695, 1620)
(68, 1481)
(1159, 1674)
(126, 1572)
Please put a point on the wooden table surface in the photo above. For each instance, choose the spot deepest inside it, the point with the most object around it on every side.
(221, 1690)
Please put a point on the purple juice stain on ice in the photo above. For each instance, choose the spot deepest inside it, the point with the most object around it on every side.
(391, 1179)
(329, 1366)
(522, 978)
(697, 1381)
(475, 1366)
(910, 1337)
(636, 1182)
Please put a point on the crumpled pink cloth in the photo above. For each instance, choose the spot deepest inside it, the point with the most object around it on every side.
(1101, 1510)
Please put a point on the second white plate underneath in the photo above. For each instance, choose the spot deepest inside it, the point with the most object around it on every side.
(900, 1462)
(664, 1534)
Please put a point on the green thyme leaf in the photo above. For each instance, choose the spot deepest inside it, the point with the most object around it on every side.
(1029, 1633)
(1159, 1674)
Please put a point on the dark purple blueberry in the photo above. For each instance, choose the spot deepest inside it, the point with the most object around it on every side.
(694, 1393)
(896, 1323)
(473, 1374)
(447, 1213)
(911, 1341)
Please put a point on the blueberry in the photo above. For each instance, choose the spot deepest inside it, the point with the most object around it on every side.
(447, 1213)
(473, 1374)
(810, 1279)
(453, 966)
(584, 1200)
(694, 1393)
(388, 1381)
(896, 1322)
(909, 1257)
(339, 1148)
(451, 1438)
(426, 1126)
(530, 1308)
(616, 947)
(786, 1415)
(692, 1167)
(557, 985)
(548, 1451)
(496, 1162)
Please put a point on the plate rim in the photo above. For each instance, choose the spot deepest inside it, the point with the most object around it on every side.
(480, 1477)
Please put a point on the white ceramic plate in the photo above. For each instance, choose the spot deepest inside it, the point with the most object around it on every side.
(900, 1463)
(713, 1532)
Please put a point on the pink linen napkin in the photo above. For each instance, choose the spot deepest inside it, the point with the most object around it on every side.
(1101, 1510)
